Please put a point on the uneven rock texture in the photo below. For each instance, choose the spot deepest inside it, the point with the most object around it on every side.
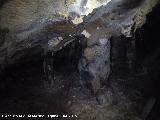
(78, 59)
(114, 19)
(39, 32)
(95, 62)
(26, 25)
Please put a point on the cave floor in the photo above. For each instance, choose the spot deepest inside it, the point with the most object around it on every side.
(24, 92)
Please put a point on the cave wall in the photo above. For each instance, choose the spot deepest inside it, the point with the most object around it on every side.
(110, 29)
(147, 49)
(116, 47)
(135, 60)
(114, 23)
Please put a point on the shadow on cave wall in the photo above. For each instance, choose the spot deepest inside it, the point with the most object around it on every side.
(22, 84)
(22, 89)
(135, 61)
(148, 58)
(138, 56)
(2, 2)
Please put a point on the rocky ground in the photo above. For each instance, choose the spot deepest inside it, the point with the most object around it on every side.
(96, 70)
(24, 92)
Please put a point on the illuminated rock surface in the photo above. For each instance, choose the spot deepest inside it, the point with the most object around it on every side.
(85, 49)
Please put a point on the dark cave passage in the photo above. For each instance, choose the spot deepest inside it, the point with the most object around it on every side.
(135, 62)
(22, 85)
(147, 47)
(65, 65)
(45, 83)
(148, 58)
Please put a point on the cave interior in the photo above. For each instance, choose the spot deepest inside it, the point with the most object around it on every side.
(24, 86)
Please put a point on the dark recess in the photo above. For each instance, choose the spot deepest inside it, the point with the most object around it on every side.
(2, 2)
(22, 84)
(148, 57)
